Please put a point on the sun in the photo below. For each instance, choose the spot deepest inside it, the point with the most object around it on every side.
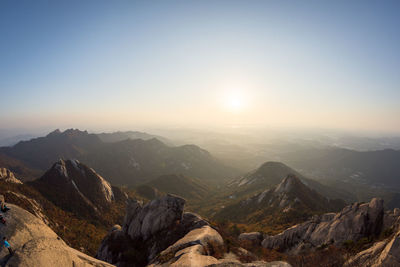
(234, 100)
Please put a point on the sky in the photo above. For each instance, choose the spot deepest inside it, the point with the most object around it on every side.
(126, 64)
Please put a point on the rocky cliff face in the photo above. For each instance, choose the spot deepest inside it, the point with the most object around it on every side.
(72, 185)
(352, 223)
(36, 245)
(385, 253)
(161, 234)
(8, 176)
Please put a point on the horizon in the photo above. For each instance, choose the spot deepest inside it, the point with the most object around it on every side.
(108, 66)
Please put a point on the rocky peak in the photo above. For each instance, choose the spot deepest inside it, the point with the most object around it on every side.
(54, 133)
(8, 176)
(70, 182)
(288, 184)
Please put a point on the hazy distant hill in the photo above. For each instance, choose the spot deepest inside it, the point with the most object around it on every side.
(127, 162)
(379, 168)
(120, 136)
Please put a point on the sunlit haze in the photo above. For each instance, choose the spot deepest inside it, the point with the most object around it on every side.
(127, 64)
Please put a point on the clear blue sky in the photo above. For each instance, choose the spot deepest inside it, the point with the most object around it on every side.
(332, 64)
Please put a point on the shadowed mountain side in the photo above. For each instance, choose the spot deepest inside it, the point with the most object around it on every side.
(19, 168)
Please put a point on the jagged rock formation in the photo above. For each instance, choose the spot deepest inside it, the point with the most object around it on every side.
(75, 187)
(8, 176)
(36, 245)
(352, 223)
(384, 253)
(147, 230)
(290, 197)
(161, 234)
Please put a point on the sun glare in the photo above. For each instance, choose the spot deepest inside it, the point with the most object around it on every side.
(234, 101)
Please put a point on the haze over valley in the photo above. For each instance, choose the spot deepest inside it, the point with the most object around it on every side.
(199, 133)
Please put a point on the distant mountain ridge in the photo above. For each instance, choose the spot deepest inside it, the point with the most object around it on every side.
(126, 162)
(120, 136)
(290, 201)
(270, 174)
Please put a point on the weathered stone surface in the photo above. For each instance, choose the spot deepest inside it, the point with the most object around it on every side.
(8, 176)
(352, 223)
(194, 249)
(147, 230)
(159, 214)
(382, 254)
(161, 234)
(36, 245)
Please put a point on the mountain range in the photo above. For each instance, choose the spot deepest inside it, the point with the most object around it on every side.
(126, 162)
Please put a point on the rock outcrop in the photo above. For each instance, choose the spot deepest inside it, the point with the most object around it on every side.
(8, 176)
(147, 230)
(160, 234)
(385, 253)
(36, 245)
(352, 223)
(75, 187)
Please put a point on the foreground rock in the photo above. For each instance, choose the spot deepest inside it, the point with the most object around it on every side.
(8, 176)
(352, 223)
(147, 230)
(384, 253)
(36, 245)
(161, 234)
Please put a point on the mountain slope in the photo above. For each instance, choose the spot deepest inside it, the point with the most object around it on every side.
(270, 174)
(289, 202)
(75, 187)
(189, 188)
(19, 168)
(378, 168)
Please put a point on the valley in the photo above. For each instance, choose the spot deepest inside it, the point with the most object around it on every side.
(79, 205)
